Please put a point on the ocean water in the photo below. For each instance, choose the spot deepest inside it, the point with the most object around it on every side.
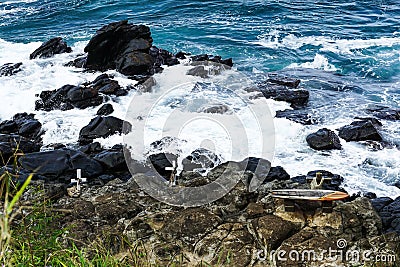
(347, 54)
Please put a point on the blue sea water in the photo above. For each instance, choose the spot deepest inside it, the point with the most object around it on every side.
(346, 52)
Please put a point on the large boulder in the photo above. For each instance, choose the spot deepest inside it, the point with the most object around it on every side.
(50, 48)
(323, 139)
(23, 124)
(101, 127)
(10, 69)
(361, 130)
(115, 41)
(55, 163)
(296, 97)
(11, 144)
(126, 48)
(68, 97)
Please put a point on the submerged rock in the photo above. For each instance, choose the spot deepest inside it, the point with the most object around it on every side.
(361, 130)
(50, 48)
(299, 116)
(324, 139)
(297, 98)
(385, 113)
(10, 69)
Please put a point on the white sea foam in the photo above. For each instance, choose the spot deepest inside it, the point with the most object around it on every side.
(339, 46)
(291, 151)
(319, 62)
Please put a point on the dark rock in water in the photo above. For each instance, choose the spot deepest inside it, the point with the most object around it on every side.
(68, 97)
(200, 160)
(105, 110)
(128, 49)
(181, 55)
(216, 59)
(323, 139)
(53, 164)
(390, 213)
(10, 69)
(277, 173)
(370, 195)
(385, 113)
(23, 124)
(381, 202)
(282, 80)
(112, 160)
(298, 116)
(50, 48)
(162, 160)
(162, 57)
(361, 131)
(101, 127)
(88, 94)
(10, 143)
(135, 63)
(118, 42)
(199, 71)
(79, 62)
(92, 148)
(397, 184)
(297, 98)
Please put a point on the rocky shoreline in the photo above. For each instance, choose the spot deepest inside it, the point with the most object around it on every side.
(233, 230)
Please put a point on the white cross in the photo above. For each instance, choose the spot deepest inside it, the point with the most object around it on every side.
(79, 180)
(172, 179)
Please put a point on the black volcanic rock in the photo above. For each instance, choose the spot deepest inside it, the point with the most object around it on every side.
(385, 113)
(296, 115)
(361, 130)
(115, 45)
(160, 161)
(389, 210)
(10, 69)
(68, 97)
(277, 173)
(297, 98)
(323, 139)
(112, 159)
(105, 110)
(50, 48)
(216, 59)
(283, 80)
(100, 127)
(23, 124)
(11, 143)
(55, 163)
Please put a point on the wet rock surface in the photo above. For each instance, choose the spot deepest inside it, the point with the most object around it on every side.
(323, 139)
(10, 69)
(50, 48)
(361, 130)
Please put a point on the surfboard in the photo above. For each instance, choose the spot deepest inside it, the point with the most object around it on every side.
(309, 194)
